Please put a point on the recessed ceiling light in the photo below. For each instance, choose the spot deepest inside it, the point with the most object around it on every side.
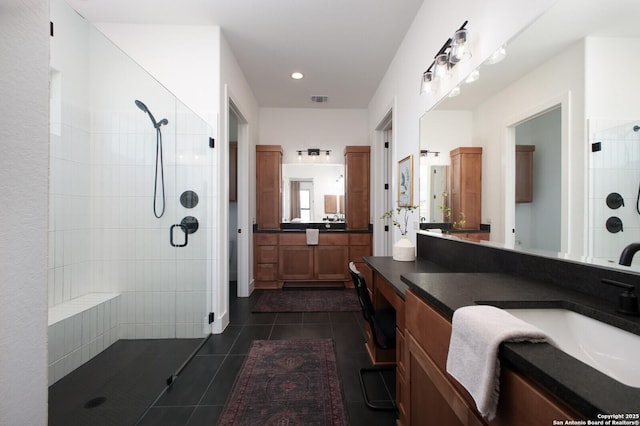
(297, 75)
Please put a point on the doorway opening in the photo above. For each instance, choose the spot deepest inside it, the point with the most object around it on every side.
(233, 206)
(538, 199)
(384, 142)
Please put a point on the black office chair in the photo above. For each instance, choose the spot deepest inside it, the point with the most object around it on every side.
(382, 323)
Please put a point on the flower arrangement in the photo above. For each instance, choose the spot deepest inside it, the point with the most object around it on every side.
(400, 217)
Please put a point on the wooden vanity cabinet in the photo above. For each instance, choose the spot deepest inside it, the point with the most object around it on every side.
(436, 398)
(524, 173)
(357, 186)
(285, 256)
(268, 186)
(466, 185)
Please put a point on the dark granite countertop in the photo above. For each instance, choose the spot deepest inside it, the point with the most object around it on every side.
(392, 270)
(583, 388)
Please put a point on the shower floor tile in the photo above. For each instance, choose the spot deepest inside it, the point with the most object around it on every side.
(131, 374)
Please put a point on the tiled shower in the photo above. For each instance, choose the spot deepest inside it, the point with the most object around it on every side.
(113, 272)
(614, 188)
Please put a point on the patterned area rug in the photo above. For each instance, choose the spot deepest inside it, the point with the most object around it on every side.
(287, 382)
(308, 301)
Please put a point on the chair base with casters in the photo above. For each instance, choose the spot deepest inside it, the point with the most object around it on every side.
(382, 323)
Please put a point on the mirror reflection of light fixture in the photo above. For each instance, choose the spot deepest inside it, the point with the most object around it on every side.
(475, 75)
(299, 155)
(454, 92)
(426, 152)
(497, 56)
(454, 50)
(328, 155)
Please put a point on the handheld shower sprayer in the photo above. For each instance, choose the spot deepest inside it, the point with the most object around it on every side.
(159, 173)
(144, 108)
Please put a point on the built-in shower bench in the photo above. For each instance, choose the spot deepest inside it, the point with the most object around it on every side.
(79, 329)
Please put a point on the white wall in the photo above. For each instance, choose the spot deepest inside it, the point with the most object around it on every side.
(24, 76)
(301, 128)
(491, 24)
(192, 74)
(234, 88)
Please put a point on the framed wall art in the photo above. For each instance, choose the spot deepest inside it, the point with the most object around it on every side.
(405, 182)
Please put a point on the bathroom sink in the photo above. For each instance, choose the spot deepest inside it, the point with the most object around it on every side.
(608, 349)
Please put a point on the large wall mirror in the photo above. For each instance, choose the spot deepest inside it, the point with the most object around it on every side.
(568, 88)
(313, 192)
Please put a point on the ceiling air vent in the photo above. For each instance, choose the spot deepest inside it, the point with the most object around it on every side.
(319, 99)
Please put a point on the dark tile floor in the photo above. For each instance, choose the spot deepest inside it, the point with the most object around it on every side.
(132, 374)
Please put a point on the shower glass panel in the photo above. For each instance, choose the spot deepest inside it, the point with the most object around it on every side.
(614, 170)
(104, 237)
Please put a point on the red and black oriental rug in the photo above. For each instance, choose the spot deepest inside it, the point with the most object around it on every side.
(287, 382)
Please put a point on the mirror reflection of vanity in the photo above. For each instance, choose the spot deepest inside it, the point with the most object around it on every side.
(580, 78)
(312, 192)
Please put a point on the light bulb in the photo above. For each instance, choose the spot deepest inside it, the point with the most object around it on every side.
(475, 74)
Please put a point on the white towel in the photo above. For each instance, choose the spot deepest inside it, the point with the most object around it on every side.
(312, 237)
(473, 350)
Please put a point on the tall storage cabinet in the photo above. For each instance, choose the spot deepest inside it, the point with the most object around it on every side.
(268, 186)
(466, 185)
(357, 186)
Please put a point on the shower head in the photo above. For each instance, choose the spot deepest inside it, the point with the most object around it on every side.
(144, 108)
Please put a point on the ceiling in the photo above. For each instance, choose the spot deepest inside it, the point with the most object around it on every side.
(343, 47)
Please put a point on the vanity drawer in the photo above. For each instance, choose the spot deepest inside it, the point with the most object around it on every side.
(265, 239)
(293, 239)
(333, 239)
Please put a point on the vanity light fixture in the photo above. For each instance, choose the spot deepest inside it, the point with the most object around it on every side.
(314, 153)
(427, 82)
(453, 51)
(297, 75)
(426, 152)
(454, 92)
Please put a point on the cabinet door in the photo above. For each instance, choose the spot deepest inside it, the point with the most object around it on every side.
(268, 186)
(295, 263)
(524, 173)
(331, 263)
(357, 178)
(434, 401)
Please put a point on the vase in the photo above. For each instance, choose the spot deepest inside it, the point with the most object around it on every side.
(404, 250)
